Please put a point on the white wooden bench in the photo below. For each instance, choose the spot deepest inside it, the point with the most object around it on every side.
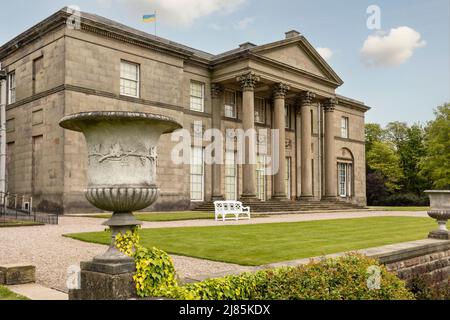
(233, 208)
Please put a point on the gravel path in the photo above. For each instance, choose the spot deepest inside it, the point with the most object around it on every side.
(52, 254)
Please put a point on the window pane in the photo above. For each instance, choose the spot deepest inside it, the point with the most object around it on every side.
(230, 104)
(260, 111)
(197, 98)
(12, 87)
(129, 79)
(287, 116)
(288, 177)
(261, 178)
(344, 127)
(230, 176)
(197, 174)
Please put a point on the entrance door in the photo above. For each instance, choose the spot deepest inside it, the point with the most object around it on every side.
(345, 179)
(230, 176)
(261, 178)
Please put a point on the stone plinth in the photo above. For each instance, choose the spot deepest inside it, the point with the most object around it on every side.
(101, 281)
(17, 274)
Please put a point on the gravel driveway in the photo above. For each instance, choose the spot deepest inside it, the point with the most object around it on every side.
(52, 254)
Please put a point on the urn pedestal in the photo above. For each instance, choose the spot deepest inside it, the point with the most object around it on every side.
(440, 211)
(121, 175)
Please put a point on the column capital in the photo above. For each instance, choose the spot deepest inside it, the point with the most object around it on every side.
(248, 80)
(306, 97)
(216, 90)
(280, 90)
(330, 104)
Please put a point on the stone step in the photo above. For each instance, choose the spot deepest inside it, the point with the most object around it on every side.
(288, 206)
(35, 291)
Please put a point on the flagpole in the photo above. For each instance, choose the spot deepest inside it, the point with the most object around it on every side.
(155, 23)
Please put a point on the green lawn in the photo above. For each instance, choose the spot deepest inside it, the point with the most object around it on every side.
(12, 223)
(267, 243)
(401, 208)
(164, 216)
(6, 294)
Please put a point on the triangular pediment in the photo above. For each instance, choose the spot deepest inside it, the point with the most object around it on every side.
(299, 55)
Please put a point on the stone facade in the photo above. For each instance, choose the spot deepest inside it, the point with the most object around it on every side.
(60, 71)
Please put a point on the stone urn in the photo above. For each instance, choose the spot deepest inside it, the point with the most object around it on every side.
(122, 156)
(440, 211)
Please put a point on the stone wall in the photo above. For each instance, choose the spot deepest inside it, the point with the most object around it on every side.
(430, 263)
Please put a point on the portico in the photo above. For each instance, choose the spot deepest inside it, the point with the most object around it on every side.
(280, 96)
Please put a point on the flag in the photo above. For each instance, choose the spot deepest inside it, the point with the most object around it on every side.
(149, 17)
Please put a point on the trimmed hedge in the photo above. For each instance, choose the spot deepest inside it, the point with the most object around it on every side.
(330, 279)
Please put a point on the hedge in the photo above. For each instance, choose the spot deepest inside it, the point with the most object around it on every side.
(345, 278)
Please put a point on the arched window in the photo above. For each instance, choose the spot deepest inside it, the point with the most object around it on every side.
(345, 173)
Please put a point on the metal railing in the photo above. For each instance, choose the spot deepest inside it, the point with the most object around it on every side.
(14, 207)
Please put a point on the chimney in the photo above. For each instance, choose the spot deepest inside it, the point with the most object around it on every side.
(247, 45)
(292, 34)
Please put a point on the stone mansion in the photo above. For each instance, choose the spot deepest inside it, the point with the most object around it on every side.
(54, 70)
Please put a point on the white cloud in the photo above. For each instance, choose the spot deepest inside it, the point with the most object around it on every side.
(391, 49)
(179, 12)
(326, 53)
(244, 23)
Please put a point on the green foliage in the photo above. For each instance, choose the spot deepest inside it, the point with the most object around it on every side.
(6, 294)
(344, 278)
(155, 272)
(373, 132)
(382, 158)
(424, 291)
(410, 147)
(331, 279)
(406, 199)
(436, 163)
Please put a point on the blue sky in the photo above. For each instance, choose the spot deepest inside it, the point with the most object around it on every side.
(408, 76)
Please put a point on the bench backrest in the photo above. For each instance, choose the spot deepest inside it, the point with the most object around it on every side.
(228, 206)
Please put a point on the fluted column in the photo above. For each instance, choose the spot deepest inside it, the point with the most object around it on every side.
(279, 123)
(248, 82)
(330, 149)
(306, 100)
(217, 105)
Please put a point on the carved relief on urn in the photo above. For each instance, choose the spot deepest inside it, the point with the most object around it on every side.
(122, 156)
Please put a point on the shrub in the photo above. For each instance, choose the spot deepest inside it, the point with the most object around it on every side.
(331, 279)
(405, 199)
(344, 278)
(424, 291)
(155, 272)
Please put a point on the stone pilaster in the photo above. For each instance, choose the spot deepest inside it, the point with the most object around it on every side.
(217, 107)
(248, 82)
(279, 123)
(330, 149)
(306, 100)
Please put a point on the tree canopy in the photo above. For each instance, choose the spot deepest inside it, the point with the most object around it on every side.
(435, 165)
(407, 160)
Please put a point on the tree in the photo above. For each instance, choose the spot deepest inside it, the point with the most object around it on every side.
(436, 164)
(375, 188)
(409, 145)
(382, 158)
(373, 132)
